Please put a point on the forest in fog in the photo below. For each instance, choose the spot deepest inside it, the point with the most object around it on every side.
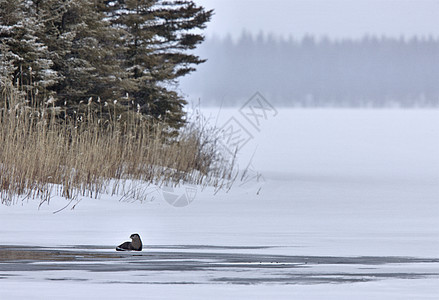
(368, 72)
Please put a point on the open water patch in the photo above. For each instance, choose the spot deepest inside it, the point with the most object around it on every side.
(202, 265)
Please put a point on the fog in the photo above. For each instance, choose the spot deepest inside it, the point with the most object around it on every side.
(333, 18)
(320, 53)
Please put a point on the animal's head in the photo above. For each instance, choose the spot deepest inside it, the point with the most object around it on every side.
(135, 236)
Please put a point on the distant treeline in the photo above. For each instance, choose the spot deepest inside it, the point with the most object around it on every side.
(372, 71)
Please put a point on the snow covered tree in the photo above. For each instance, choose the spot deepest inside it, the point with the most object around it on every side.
(24, 58)
(82, 45)
(132, 51)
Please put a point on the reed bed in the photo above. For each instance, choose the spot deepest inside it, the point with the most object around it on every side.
(42, 155)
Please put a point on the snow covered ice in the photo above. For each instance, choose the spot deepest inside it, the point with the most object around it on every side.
(346, 207)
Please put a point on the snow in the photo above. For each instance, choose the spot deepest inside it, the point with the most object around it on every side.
(395, 290)
(342, 183)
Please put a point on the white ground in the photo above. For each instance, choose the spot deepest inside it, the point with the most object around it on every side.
(337, 183)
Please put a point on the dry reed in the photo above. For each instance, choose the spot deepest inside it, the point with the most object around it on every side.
(41, 156)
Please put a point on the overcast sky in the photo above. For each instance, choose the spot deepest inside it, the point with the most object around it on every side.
(334, 18)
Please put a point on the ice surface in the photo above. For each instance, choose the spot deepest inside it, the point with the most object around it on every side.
(343, 183)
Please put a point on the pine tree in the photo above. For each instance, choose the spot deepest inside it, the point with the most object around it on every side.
(158, 35)
(24, 58)
(82, 45)
(174, 37)
(132, 51)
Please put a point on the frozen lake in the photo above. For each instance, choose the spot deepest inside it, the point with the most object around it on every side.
(201, 265)
(332, 196)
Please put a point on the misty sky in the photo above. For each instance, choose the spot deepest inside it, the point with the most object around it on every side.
(334, 18)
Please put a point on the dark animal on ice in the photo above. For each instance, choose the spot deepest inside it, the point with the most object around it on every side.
(134, 245)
